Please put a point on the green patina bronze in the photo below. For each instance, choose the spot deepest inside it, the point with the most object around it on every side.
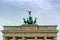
(30, 19)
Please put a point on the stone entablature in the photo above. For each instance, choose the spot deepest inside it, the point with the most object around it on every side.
(30, 30)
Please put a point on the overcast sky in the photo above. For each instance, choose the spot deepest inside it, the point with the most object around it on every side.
(47, 12)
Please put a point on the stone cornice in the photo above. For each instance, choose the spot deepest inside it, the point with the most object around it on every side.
(33, 25)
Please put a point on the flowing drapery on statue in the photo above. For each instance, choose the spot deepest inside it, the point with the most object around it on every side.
(30, 19)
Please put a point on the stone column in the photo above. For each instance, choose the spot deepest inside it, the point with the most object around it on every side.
(35, 38)
(14, 38)
(5, 38)
(54, 38)
(45, 38)
(23, 38)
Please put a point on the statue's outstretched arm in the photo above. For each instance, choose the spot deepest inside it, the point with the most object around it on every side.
(24, 20)
(35, 20)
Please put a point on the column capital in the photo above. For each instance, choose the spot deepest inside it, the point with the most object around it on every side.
(35, 38)
(14, 38)
(54, 38)
(23, 38)
(45, 37)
